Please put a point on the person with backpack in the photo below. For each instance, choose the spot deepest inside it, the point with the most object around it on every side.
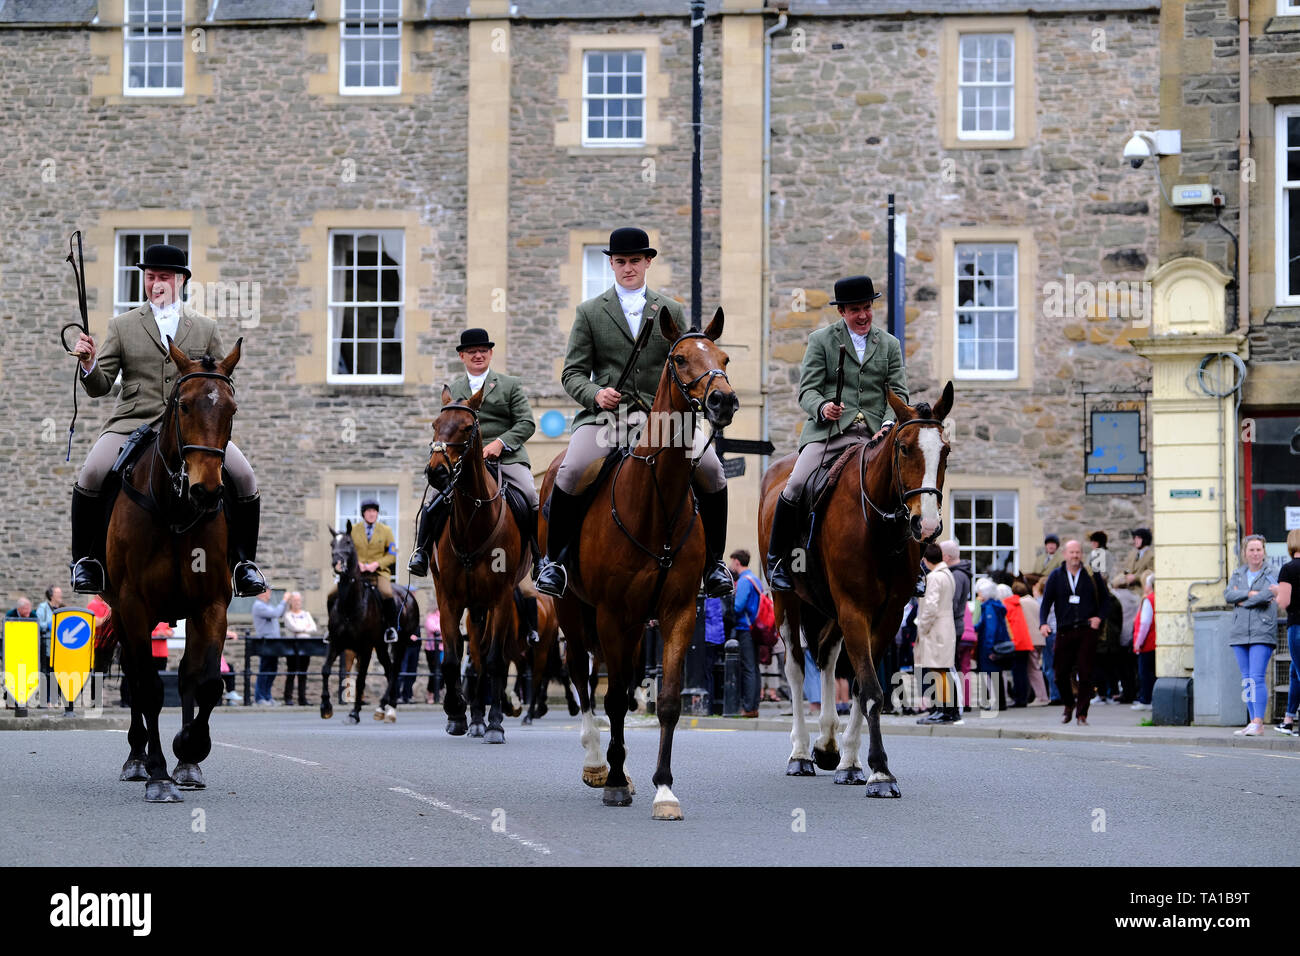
(1081, 601)
(746, 600)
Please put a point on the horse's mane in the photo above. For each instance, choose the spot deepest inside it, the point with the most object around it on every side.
(208, 363)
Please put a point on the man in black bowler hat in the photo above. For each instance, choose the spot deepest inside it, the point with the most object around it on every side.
(601, 342)
(136, 346)
(874, 359)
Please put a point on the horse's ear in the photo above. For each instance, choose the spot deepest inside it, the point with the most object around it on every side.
(714, 331)
(446, 395)
(348, 530)
(183, 361)
(902, 411)
(227, 364)
(476, 400)
(944, 405)
(333, 533)
(668, 326)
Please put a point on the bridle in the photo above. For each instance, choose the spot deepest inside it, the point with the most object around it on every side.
(697, 405)
(455, 470)
(900, 514)
(179, 478)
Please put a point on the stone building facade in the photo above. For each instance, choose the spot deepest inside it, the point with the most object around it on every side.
(476, 165)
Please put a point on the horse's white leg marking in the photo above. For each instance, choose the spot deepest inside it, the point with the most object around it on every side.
(852, 738)
(829, 723)
(591, 741)
(798, 726)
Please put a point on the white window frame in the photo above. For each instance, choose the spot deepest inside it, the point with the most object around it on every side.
(970, 552)
(626, 141)
(385, 23)
(1014, 280)
(122, 268)
(361, 492)
(166, 37)
(1288, 8)
(1288, 191)
(590, 252)
(963, 84)
(340, 378)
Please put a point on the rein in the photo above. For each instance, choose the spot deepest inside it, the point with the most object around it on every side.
(466, 558)
(900, 514)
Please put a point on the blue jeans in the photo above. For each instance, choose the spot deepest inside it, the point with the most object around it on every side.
(1293, 695)
(408, 665)
(1049, 666)
(812, 679)
(266, 673)
(1146, 676)
(1253, 660)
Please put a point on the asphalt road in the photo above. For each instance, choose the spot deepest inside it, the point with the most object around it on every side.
(291, 789)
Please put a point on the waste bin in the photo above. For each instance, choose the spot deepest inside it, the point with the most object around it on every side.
(1217, 702)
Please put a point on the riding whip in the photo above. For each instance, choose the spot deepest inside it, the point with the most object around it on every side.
(79, 274)
(839, 378)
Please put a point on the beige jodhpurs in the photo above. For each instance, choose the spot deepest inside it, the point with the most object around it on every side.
(810, 456)
(104, 453)
(586, 447)
(518, 476)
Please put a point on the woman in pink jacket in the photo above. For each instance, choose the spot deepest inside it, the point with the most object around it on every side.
(1144, 642)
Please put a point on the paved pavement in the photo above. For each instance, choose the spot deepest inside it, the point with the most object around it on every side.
(286, 788)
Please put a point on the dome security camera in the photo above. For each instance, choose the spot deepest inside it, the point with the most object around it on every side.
(1137, 149)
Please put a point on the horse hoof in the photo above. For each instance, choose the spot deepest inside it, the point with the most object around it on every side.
(851, 776)
(162, 791)
(617, 797)
(494, 735)
(354, 717)
(827, 759)
(188, 776)
(883, 788)
(456, 727)
(573, 709)
(631, 787)
(134, 770)
(477, 729)
(800, 768)
(326, 712)
(542, 709)
(527, 721)
(390, 714)
(595, 776)
(666, 810)
(379, 713)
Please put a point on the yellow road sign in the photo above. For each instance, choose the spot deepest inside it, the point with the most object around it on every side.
(72, 651)
(22, 658)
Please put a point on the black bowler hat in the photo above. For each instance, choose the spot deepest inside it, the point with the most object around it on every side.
(855, 289)
(630, 241)
(163, 257)
(474, 338)
(367, 504)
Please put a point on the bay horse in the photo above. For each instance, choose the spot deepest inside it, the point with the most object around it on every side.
(356, 623)
(166, 560)
(884, 505)
(479, 557)
(545, 662)
(638, 554)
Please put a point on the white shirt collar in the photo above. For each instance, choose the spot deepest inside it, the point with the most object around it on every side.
(167, 319)
(476, 381)
(630, 293)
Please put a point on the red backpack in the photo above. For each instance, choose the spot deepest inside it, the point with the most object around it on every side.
(764, 628)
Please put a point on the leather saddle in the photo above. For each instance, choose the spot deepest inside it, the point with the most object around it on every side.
(812, 503)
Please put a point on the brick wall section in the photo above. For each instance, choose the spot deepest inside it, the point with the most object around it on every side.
(258, 159)
(851, 125)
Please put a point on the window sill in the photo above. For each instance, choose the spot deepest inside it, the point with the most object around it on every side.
(1283, 24)
(1285, 314)
(613, 150)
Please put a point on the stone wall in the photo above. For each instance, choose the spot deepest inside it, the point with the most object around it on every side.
(855, 123)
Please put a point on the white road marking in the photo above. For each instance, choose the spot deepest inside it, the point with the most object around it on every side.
(258, 750)
(465, 814)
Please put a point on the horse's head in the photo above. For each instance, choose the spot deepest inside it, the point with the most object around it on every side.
(202, 407)
(920, 458)
(698, 369)
(454, 433)
(343, 553)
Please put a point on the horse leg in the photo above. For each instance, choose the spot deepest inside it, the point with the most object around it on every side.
(800, 764)
(826, 752)
(677, 634)
(327, 708)
(871, 698)
(200, 680)
(618, 790)
(137, 737)
(358, 700)
(495, 667)
(453, 699)
(147, 695)
(392, 665)
(594, 769)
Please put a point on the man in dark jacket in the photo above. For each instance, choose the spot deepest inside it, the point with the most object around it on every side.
(1081, 600)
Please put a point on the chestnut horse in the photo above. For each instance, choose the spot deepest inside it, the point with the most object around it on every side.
(639, 554)
(883, 507)
(166, 553)
(479, 557)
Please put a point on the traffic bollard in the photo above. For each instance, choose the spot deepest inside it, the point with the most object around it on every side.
(731, 679)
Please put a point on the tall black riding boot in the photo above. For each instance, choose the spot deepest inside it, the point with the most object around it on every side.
(87, 542)
(785, 525)
(244, 517)
(536, 550)
(713, 515)
(554, 579)
(432, 519)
